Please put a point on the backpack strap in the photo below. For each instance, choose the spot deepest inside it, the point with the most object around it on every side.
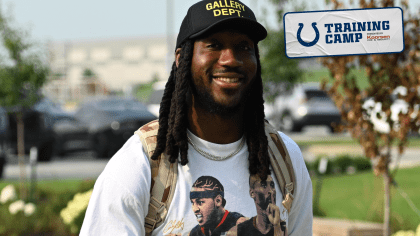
(281, 164)
(164, 176)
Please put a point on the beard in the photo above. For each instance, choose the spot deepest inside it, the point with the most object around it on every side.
(212, 219)
(208, 103)
(264, 202)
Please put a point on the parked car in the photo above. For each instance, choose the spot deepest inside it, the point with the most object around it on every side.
(373, 110)
(70, 135)
(104, 124)
(4, 139)
(38, 127)
(305, 104)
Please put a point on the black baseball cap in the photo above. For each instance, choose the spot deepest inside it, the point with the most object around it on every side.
(206, 15)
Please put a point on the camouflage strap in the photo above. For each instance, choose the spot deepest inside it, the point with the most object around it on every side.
(164, 176)
(281, 164)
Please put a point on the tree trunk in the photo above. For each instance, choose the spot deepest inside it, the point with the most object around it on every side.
(387, 204)
(21, 152)
(387, 192)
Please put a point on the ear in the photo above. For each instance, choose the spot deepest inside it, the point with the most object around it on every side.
(218, 200)
(177, 56)
(251, 193)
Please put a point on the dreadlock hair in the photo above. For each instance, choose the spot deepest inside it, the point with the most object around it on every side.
(173, 120)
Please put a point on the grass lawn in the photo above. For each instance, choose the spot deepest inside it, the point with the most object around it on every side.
(360, 197)
(319, 75)
(327, 141)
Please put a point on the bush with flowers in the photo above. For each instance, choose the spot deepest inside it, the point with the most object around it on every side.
(41, 215)
(408, 233)
(74, 213)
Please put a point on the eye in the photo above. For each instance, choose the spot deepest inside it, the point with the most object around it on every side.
(245, 47)
(213, 45)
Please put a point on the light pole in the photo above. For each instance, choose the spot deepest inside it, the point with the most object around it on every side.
(169, 35)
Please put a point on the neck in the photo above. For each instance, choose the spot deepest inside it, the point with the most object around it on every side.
(211, 227)
(262, 223)
(215, 128)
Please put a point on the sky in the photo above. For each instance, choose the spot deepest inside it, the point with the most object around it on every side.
(61, 20)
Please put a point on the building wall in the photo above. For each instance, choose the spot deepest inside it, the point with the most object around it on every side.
(117, 63)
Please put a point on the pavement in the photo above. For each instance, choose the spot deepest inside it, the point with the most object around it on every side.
(410, 157)
(85, 165)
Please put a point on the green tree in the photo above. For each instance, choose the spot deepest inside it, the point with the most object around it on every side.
(278, 72)
(88, 73)
(22, 74)
(385, 72)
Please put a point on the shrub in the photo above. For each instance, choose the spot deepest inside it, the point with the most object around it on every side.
(41, 216)
(340, 164)
(362, 163)
(408, 233)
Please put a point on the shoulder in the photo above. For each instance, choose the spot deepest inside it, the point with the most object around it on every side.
(291, 145)
(300, 216)
(295, 153)
(234, 218)
(121, 192)
(245, 225)
(196, 230)
(235, 215)
(296, 157)
(129, 168)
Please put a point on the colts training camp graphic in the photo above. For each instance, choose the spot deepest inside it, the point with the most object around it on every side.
(343, 32)
(310, 44)
(347, 37)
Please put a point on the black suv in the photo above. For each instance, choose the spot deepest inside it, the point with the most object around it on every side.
(38, 127)
(4, 139)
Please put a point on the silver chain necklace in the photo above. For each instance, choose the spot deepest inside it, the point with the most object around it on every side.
(214, 157)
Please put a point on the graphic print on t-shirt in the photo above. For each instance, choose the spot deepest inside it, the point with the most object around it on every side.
(267, 220)
(208, 205)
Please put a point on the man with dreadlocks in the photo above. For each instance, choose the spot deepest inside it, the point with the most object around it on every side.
(211, 123)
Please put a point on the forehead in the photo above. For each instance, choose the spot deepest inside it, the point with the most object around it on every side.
(269, 179)
(199, 189)
(256, 180)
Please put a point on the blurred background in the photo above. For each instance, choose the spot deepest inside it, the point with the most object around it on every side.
(101, 67)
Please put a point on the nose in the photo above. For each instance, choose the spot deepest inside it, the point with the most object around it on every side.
(195, 208)
(229, 58)
(273, 195)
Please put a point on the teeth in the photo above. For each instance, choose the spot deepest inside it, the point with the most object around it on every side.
(199, 217)
(228, 80)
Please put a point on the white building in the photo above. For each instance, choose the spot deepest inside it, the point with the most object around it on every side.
(118, 64)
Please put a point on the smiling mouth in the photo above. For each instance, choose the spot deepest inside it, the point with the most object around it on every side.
(199, 217)
(227, 80)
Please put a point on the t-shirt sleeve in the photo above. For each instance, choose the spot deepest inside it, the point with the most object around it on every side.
(119, 202)
(300, 216)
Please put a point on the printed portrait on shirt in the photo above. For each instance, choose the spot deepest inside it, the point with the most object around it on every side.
(267, 220)
(208, 204)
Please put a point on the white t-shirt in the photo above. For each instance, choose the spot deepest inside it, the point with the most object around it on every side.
(121, 196)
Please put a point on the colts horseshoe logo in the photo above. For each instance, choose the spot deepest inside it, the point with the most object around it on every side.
(310, 44)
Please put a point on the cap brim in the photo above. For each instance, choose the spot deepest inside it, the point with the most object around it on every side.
(253, 29)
